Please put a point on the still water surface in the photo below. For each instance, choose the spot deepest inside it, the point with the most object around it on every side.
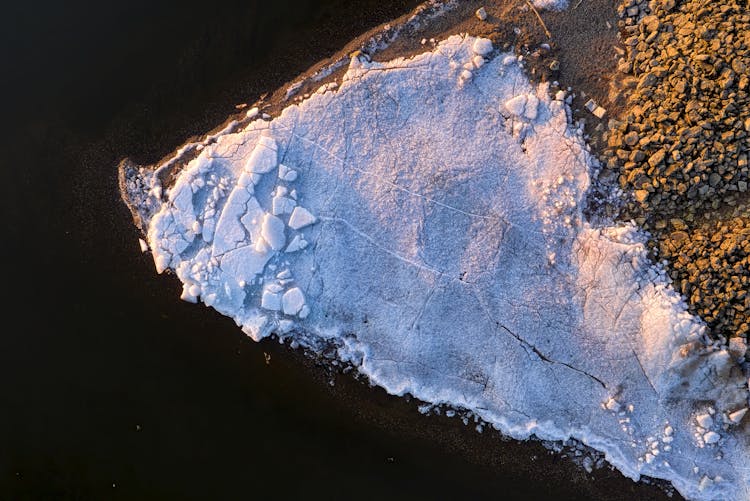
(110, 387)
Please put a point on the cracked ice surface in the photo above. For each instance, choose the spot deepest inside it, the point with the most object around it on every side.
(432, 232)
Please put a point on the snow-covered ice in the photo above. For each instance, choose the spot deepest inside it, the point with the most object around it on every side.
(436, 241)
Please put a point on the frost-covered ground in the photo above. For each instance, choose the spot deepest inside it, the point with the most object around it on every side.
(425, 219)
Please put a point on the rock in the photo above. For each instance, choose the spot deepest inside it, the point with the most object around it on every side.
(656, 158)
(679, 236)
(481, 14)
(650, 23)
(631, 138)
(678, 224)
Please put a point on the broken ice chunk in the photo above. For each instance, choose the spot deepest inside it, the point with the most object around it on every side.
(143, 244)
(304, 312)
(516, 105)
(270, 300)
(246, 181)
(293, 301)
(736, 416)
(612, 404)
(263, 159)
(287, 174)
(297, 243)
(482, 46)
(252, 112)
(256, 327)
(282, 205)
(187, 294)
(481, 14)
(161, 262)
(300, 218)
(711, 437)
(704, 420)
(272, 231)
(261, 246)
(525, 105)
(532, 105)
(245, 263)
(285, 326)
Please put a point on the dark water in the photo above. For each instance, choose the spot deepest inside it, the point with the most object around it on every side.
(110, 387)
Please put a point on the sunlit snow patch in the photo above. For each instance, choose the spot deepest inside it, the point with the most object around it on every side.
(425, 220)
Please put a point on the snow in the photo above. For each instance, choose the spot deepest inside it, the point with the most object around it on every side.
(457, 231)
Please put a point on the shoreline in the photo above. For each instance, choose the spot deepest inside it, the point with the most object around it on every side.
(389, 52)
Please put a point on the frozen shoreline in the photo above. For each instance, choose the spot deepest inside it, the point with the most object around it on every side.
(546, 116)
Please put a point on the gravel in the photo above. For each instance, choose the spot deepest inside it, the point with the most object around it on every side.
(682, 143)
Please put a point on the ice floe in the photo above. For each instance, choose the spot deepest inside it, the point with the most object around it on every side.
(446, 210)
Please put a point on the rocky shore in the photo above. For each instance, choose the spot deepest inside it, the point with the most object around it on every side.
(681, 148)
